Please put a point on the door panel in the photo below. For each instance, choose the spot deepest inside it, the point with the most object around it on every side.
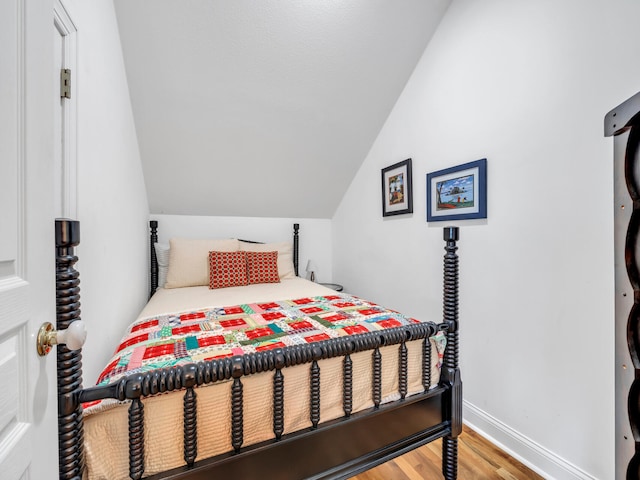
(15, 424)
(15, 427)
(9, 123)
(28, 413)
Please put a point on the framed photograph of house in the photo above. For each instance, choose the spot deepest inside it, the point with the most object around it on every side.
(397, 195)
(458, 193)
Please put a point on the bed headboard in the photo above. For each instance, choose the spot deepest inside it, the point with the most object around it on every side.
(153, 265)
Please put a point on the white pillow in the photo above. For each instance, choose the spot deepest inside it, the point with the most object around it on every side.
(285, 255)
(189, 260)
(162, 255)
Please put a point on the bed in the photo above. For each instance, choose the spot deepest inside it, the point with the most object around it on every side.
(280, 379)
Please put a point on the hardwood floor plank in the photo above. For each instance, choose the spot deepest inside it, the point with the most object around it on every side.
(406, 463)
(505, 474)
(478, 459)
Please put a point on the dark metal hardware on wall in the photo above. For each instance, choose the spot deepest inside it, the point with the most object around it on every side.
(65, 83)
(623, 123)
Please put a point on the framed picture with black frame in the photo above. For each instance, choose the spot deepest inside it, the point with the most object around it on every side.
(397, 189)
(458, 193)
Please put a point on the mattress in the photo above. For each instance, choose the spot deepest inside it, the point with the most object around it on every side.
(106, 424)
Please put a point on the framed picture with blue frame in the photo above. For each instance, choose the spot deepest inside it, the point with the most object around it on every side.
(458, 193)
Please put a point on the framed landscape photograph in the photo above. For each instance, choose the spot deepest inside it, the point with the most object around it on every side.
(458, 193)
(397, 195)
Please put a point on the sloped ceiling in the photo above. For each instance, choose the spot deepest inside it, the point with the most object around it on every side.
(264, 107)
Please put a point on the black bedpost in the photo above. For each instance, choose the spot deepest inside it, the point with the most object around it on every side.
(153, 239)
(70, 423)
(451, 371)
(296, 256)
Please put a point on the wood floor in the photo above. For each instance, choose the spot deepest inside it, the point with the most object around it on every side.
(478, 459)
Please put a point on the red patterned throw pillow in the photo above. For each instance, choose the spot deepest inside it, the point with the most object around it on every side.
(262, 267)
(227, 269)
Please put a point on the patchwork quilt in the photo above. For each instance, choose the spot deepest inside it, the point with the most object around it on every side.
(175, 339)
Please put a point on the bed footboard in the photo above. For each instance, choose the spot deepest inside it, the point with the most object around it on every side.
(188, 377)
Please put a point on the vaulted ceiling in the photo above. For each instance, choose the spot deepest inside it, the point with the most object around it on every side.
(264, 107)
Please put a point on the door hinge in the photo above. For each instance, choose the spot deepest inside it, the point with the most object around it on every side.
(65, 83)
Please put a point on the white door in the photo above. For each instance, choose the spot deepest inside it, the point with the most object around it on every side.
(28, 396)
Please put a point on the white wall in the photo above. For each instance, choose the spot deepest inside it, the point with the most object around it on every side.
(314, 236)
(272, 98)
(526, 85)
(112, 202)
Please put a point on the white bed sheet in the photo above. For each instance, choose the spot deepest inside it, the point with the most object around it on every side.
(172, 300)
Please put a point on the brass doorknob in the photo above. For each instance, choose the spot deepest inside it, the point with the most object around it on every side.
(73, 337)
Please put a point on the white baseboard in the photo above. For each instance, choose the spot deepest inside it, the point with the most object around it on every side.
(539, 459)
